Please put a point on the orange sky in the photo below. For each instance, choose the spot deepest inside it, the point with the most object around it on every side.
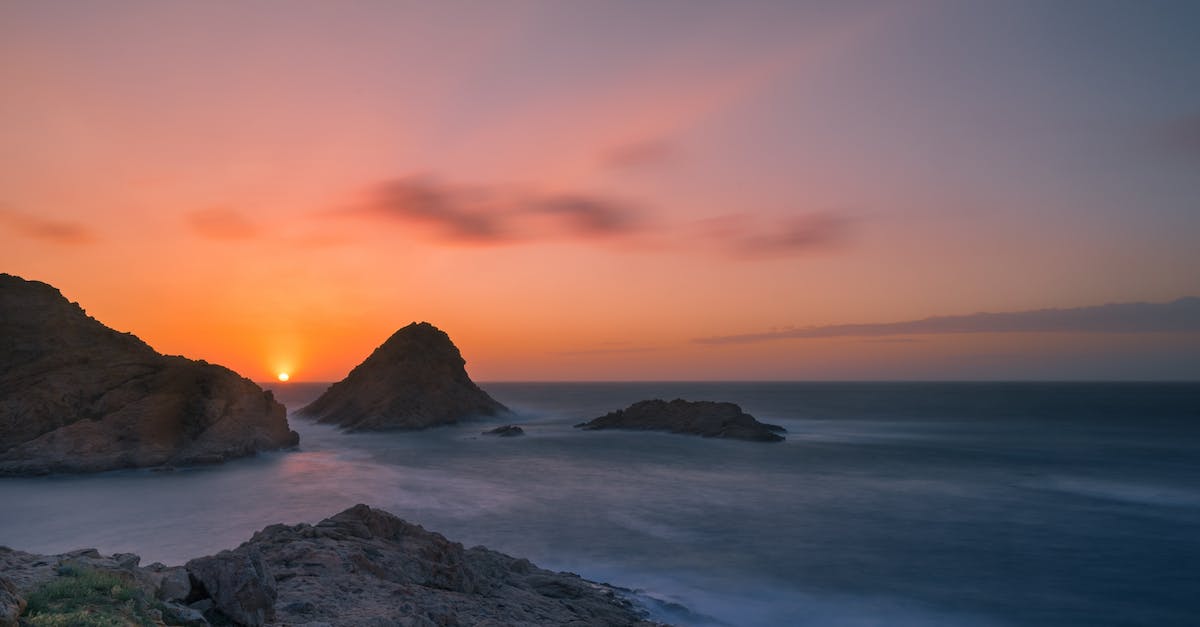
(584, 190)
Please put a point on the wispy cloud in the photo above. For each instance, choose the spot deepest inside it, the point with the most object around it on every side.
(609, 351)
(747, 236)
(222, 224)
(490, 215)
(495, 214)
(647, 152)
(47, 229)
(590, 216)
(1182, 315)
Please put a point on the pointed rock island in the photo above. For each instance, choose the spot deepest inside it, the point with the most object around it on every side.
(704, 418)
(415, 380)
(77, 396)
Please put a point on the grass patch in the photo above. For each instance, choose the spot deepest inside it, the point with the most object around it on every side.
(82, 597)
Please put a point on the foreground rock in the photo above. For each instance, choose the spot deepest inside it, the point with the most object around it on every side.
(11, 603)
(705, 418)
(77, 396)
(415, 380)
(361, 567)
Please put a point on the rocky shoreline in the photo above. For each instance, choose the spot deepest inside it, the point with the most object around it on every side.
(362, 566)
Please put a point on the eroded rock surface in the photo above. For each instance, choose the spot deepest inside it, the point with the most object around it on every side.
(367, 567)
(705, 418)
(77, 396)
(11, 603)
(239, 583)
(415, 380)
(362, 566)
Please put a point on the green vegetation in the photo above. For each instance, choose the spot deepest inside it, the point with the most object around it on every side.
(83, 597)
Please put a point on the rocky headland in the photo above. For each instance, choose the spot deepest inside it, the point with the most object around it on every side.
(415, 380)
(77, 396)
(362, 566)
(704, 418)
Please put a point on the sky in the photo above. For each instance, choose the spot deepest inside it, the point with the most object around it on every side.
(608, 190)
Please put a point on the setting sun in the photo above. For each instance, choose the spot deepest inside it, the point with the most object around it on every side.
(283, 376)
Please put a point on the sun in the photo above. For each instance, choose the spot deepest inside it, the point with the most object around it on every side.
(283, 376)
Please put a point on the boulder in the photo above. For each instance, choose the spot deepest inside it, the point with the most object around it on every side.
(174, 584)
(415, 380)
(238, 582)
(11, 603)
(176, 614)
(77, 396)
(705, 418)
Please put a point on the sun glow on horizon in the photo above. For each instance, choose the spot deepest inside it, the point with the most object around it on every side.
(283, 376)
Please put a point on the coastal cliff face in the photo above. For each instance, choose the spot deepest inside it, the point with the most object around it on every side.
(415, 380)
(362, 566)
(77, 396)
(704, 418)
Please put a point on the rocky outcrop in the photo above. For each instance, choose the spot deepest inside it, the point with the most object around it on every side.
(396, 572)
(239, 583)
(11, 603)
(362, 566)
(77, 396)
(506, 431)
(26, 572)
(705, 418)
(415, 380)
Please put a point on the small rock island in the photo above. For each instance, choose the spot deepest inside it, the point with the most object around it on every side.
(704, 418)
(505, 431)
(415, 380)
(77, 396)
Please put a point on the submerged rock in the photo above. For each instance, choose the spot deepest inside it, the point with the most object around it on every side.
(705, 418)
(77, 396)
(415, 380)
(507, 431)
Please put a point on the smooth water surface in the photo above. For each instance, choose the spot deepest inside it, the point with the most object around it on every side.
(889, 504)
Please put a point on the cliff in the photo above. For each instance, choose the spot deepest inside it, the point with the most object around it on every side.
(77, 396)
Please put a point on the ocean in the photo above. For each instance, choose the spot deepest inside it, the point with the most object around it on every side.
(889, 503)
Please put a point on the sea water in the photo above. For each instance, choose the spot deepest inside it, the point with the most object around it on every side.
(889, 503)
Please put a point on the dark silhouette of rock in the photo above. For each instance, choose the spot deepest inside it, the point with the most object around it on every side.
(415, 380)
(706, 418)
(77, 396)
(507, 431)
